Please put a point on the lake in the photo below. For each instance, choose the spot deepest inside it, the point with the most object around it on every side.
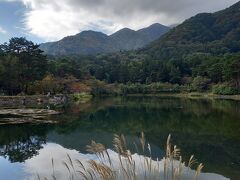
(209, 129)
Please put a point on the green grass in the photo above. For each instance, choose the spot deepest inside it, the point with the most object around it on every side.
(82, 97)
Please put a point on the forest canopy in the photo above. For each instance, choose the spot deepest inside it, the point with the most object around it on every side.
(25, 69)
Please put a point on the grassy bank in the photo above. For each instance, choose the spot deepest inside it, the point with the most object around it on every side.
(191, 96)
(81, 97)
(86, 97)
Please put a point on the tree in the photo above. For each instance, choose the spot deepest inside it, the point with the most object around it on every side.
(232, 71)
(32, 64)
(175, 75)
(9, 74)
(215, 72)
(200, 83)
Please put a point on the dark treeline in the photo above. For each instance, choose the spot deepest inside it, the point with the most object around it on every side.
(195, 72)
(21, 63)
(24, 69)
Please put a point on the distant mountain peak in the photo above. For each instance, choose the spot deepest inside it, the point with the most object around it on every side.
(90, 33)
(126, 29)
(157, 25)
(92, 42)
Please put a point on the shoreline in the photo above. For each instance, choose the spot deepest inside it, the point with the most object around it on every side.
(30, 100)
(190, 95)
(17, 100)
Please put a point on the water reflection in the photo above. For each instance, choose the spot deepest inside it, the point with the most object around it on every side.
(43, 164)
(209, 129)
(11, 171)
(19, 143)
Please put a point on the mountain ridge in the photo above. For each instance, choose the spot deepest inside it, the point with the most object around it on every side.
(93, 42)
(214, 33)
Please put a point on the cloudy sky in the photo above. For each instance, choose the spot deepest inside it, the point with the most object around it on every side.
(50, 20)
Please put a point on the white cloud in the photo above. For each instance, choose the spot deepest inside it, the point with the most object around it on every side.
(2, 31)
(55, 19)
(52, 24)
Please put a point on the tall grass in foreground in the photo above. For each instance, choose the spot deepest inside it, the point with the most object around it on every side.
(128, 166)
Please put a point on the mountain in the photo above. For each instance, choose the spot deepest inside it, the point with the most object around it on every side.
(86, 42)
(129, 39)
(91, 42)
(213, 33)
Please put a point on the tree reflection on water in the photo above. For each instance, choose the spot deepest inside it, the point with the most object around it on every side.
(19, 143)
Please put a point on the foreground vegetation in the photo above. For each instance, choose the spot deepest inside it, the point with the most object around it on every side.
(128, 165)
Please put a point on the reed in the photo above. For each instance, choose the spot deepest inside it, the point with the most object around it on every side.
(129, 166)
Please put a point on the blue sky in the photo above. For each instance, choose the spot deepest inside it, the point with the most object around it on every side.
(51, 20)
(11, 22)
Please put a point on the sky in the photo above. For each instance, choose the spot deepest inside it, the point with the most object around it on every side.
(51, 20)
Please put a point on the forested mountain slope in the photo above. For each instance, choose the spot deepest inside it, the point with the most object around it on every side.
(91, 42)
(214, 33)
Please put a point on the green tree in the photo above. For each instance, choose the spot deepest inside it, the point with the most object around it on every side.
(200, 84)
(215, 72)
(232, 71)
(9, 74)
(31, 65)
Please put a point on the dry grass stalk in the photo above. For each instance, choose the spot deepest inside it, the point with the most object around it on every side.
(128, 166)
(142, 141)
(104, 172)
(191, 162)
(198, 171)
(119, 143)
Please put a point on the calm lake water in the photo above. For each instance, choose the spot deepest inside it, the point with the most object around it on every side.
(209, 129)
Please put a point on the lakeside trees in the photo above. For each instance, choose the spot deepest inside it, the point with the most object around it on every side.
(24, 68)
(21, 63)
(198, 70)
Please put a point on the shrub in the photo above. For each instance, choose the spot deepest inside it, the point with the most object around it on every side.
(82, 97)
(224, 89)
(153, 88)
(200, 84)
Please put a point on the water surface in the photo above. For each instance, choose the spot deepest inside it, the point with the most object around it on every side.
(209, 129)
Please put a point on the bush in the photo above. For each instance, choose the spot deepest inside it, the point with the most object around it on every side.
(224, 89)
(153, 88)
(200, 84)
(82, 97)
(101, 88)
